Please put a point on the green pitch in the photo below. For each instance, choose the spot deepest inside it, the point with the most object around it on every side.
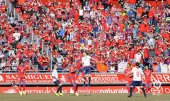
(82, 97)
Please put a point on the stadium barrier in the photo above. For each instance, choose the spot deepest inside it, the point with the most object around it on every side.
(45, 79)
(91, 89)
(100, 83)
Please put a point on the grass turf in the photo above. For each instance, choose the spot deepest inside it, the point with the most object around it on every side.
(83, 97)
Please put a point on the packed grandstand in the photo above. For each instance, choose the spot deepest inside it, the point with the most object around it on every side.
(57, 33)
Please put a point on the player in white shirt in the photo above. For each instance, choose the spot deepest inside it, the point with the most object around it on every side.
(56, 81)
(86, 67)
(138, 57)
(86, 60)
(137, 79)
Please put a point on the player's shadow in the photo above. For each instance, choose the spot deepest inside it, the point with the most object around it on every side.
(138, 96)
(83, 95)
(86, 95)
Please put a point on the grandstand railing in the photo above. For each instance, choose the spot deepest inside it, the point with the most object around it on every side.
(45, 71)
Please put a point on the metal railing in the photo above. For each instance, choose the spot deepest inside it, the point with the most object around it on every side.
(45, 71)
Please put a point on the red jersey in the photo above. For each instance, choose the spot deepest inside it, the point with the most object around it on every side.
(45, 61)
(147, 75)
(127, 73)
(78, 65)
(146, 53)
(21, 71)
(131, 54)
(72, 74)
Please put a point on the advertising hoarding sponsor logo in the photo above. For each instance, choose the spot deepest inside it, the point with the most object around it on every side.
(95, 78)
(10, 91)
(161, 77)
(92, 89)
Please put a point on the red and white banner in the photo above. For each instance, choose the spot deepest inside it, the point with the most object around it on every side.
(95, 78)
(162, 77)
(81, 90)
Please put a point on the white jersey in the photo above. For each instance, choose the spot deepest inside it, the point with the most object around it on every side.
(54, 75)
(16, 36)
(138, 57)
(81, 12)
(137, 74)
(86, 60)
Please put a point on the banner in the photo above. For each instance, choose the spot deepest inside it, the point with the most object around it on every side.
(85, 90)
(103, 78)
(161, 77)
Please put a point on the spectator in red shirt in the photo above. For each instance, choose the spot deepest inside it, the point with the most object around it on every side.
(132, 55)
(146, 56)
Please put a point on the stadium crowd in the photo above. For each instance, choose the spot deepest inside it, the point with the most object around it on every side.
(54, 33)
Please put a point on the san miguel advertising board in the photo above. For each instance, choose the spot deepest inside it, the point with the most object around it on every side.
(95, 78)
(85, 90)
